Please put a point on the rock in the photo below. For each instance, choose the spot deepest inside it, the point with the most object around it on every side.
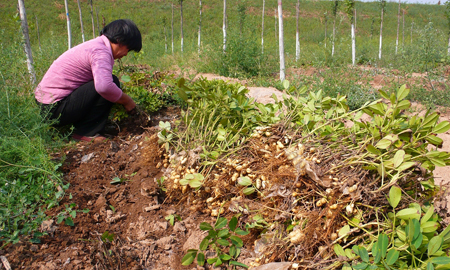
(87, 157)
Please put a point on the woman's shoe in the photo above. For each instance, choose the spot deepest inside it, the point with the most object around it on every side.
(96, 138)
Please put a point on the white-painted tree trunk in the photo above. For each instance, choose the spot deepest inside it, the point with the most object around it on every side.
(200, 27)
(26, 44)
(165, 37)
(297, 33)
(81, 21)
(224, 26)
(172, 29)
(398, 28)
(326, 26)
(353, 45)
(92, 18)
(381, 33)
(281, 40)
(181, 25)
(69, 31)
(403, 30)
(262, 27)
(334, 36)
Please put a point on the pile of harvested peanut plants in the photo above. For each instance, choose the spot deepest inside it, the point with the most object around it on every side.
(317, 178)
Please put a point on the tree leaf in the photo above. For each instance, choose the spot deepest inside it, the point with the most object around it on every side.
(392, 256)
(189, 257)
(434, 245)
(395, 195)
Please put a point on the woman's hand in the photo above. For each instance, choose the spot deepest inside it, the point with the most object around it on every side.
(127, 102)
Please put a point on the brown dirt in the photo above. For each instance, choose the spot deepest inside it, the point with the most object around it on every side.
(134, 211)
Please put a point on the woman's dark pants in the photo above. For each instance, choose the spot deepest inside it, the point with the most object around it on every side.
(84, 108)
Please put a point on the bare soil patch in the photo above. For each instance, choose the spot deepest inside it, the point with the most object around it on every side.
(132, 214)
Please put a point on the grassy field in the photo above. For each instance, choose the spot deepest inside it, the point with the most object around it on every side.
(29, 179)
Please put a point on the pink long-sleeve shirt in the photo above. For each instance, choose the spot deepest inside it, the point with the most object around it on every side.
(91, 60)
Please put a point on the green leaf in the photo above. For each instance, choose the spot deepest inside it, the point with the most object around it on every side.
(360, 266)
(249, 190)
(434, 245)
(189, 257)
(223, 242)
(236, 241)
(241, 232)
(204, 226)
(399, 158)
(434, 140)
(402, 92)
(441, 260)
(403, 105)
(212, 260)
(429, 226)
(69, 221)
(405, 165)
(238, 264)
(383, 144)
(408, 213)
(362, 252)
(430, 266)
(204, 244)
(373, 150)
(194, 183)
(201, 259)
(395, 195)
(225, 257)
(233, 223)
(383, 94)
(220, 223)
(223, 233)
(339, 250)
(441, 127)
(427, 215)
(126, 78)
(392, 256)
(244, 181)
(233, 251)
(383, 242)
(430, 120)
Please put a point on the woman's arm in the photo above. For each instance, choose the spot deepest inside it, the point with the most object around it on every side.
(127, 102)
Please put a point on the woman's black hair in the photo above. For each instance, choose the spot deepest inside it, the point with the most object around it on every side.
(124, 32)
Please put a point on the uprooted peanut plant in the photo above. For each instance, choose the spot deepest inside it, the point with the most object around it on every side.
(313, 182)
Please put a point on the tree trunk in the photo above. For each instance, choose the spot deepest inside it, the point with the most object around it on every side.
(403, 30)
(69, 31)
(262, 27)
(353, 45)
(276, 36)
(326, 26)
(181, 25)
(398, 27)
(165, 36)
(381, 33)
(38, 34)
(172, 28)
(81, 20)
(297, 33)
(281, 40)
(92, 18)
(334, 36)
(200, 28)
(26, 37)
(224, 26)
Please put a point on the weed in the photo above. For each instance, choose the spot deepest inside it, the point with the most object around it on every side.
(68, 214)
